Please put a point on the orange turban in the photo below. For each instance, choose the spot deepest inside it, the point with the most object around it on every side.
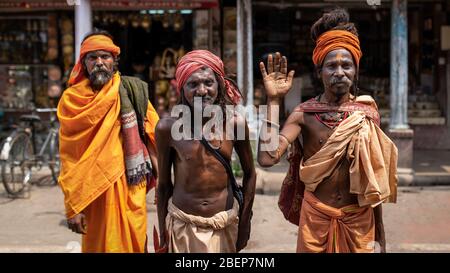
(335, 39)
(93, 43)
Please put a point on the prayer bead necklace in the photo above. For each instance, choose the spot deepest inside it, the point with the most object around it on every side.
(330, 119)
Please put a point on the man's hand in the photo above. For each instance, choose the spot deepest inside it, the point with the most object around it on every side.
(163, 245)
(160, 241)
(77, 223)
(277, 81)
(382, 246)
(380, 237)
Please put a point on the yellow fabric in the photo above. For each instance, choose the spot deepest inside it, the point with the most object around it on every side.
(372, 156)
(91, 152)
(93, 169)
(195, 234)
(151, 120)
(117, 220)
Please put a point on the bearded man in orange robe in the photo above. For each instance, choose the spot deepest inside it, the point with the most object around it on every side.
(107, 150)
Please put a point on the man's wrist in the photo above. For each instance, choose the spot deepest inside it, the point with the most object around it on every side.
(273, 101)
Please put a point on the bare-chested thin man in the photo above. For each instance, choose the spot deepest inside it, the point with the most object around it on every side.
(331, 127)
(201, 193)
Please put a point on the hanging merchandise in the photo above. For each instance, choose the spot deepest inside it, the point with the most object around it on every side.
(165, 86)
(166, 20)
(168, 64)
(178, 22)
(180, 53)
(146, 22)
(54, 82)
(123, 21)
(67, 42)
(201, 35)
(134, 19)
(16, 92)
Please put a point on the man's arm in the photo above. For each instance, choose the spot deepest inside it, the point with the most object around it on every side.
(164, 188)
(277, 83)
(151, 120)
(153, 158)
(379, 228)
(290, 131)
(244, 151)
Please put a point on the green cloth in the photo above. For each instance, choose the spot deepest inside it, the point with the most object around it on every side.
(134, 96)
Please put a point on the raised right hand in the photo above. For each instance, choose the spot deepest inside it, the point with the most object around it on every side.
(77, 223)
(277, 81)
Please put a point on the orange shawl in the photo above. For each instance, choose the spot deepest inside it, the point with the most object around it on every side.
(91, 152)
(372, 156)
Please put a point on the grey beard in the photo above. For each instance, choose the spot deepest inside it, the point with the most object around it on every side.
(99, 78)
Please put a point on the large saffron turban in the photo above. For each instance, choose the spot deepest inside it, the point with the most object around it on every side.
(197, 59)
(93, 43)
(336, 39)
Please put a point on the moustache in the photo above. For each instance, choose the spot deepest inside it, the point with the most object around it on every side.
(334, 81)
(100, 70)
(204, 98)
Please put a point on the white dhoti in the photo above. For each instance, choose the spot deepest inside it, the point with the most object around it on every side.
(191, 233)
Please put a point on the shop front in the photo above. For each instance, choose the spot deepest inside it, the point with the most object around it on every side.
(38, 46)
(285, 27)
(36, 51)
(154, 35)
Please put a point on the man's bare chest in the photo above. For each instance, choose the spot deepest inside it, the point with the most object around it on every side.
(314, 134)
(194, 150)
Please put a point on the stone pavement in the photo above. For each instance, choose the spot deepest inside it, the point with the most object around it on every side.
(419, 222)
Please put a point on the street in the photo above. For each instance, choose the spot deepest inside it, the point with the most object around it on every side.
(417, 223)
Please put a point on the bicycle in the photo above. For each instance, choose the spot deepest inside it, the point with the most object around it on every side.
(18, 154)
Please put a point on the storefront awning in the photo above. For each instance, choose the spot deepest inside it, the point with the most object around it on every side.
(40, 5)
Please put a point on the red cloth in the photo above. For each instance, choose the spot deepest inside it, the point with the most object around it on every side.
(335, 39)
(93, 43)
(365, 104)
(197, 59)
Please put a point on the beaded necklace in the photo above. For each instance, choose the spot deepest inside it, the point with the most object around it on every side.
(330, 119)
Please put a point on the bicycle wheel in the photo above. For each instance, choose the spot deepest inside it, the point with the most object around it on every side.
(54, 162)
(16, 169)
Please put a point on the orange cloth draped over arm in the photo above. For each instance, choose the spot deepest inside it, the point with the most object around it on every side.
(116, 220)
(91, 152)
(372, 156)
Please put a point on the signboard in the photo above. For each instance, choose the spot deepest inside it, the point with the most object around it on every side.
(34, 5)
